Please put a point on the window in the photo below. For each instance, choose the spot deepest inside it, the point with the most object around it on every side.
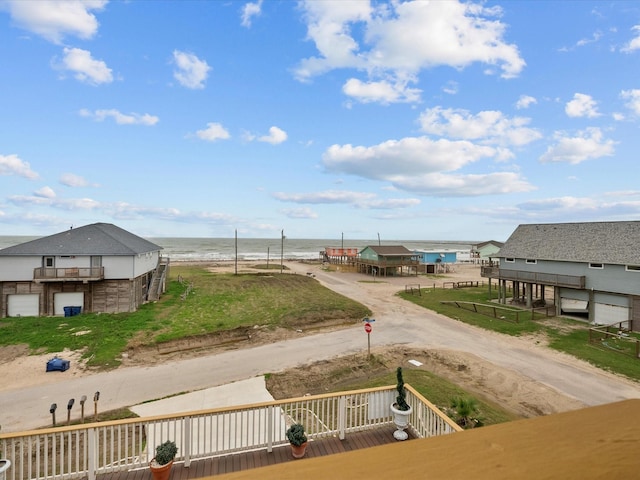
(632, 268)
(510, 260)
(49, 262)
(596, 265)
(531, 261)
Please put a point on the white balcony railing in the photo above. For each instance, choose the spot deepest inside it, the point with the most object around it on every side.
(83, 451)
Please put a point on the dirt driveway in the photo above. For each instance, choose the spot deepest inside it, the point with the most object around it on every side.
(519, 373)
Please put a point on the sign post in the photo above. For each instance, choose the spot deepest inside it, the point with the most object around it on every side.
(368, 328)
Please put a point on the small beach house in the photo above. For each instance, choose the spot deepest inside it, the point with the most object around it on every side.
(94, 268)
(435, 261)
(387, 261)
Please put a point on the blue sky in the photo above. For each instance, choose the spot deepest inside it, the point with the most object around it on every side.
(405, 119)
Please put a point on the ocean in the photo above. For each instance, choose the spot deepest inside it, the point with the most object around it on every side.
(224, 249)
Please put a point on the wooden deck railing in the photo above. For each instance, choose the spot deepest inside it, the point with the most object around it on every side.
(84, 451)
(574, 281)
(75, 273)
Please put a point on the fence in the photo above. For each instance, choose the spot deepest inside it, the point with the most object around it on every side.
(84, 451)
(617, 337)
(503, 313)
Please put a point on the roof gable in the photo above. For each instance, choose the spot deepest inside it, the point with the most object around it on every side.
(390, 250)
(599, 242)
(94, 239)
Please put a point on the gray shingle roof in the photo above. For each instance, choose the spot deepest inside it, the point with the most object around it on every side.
(94, 239)
(596, 242)
(390, 250)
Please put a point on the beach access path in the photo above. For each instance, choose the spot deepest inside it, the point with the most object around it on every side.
(25, 404)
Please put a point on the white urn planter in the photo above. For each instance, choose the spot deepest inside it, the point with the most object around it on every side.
(4, 466)
(401, 421)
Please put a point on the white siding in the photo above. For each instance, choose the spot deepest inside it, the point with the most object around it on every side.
(18, 269)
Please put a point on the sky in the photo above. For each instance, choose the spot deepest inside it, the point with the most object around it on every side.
(416, 120)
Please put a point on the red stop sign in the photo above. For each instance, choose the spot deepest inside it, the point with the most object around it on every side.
(367, 327)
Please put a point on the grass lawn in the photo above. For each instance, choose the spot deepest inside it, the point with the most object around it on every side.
(214, 302)
(563, 334)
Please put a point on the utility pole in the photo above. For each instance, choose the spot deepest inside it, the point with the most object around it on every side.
(281, 250)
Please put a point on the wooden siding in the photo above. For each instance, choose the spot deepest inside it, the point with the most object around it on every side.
(20, 288)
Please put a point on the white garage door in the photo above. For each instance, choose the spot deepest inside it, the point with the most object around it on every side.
(71, 299)
(571, 305)
(25, 305)
(606, 314)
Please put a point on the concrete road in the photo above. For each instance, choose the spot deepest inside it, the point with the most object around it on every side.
(397, 322)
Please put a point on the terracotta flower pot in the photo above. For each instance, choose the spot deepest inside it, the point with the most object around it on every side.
(298, 451)
(160, 472)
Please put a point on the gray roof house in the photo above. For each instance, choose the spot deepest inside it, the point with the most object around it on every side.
(387, 260)
(94, 268)
(592, 268)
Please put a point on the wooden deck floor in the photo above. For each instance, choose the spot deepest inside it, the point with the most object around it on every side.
(260, 458)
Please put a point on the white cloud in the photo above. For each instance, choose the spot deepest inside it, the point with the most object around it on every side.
(55, 202)
(491, 127)
(85, 68)
(448, 185)
(54, 19)
(586, 145)
(13, 165)
(276, 136)
(525, 101)
(634, 43)
(358, 199)
(45, 192)
(121, 118)
(400, 39)
(300, 213)
(424, 166)
(605, 206)
(250, 10)
(191, 71)
(381, 92)
(408, 156)
(213, 132)
(326, 197)
(633, 100)
(582, 106)
(451, 88)
(72, 180)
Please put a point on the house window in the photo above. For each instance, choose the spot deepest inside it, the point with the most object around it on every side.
(633, 268)
(596, 265)
(510, 260)
(531, 261)
(49, 262)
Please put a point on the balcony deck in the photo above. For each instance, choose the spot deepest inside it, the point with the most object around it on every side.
(236, 462)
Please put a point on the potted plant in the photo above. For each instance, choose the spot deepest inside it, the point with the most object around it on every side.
(297, 439)
(400, 408)
(161, 464)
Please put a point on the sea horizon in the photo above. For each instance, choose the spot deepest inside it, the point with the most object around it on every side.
(225, 248)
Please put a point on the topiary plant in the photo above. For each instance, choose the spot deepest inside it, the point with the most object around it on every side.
(165, 452)
(295, 434)
(401, 398)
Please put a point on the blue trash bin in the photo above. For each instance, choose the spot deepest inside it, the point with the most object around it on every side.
(67, 311)
(76, 311)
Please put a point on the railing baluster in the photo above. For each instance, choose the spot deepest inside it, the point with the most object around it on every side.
(87, 450)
